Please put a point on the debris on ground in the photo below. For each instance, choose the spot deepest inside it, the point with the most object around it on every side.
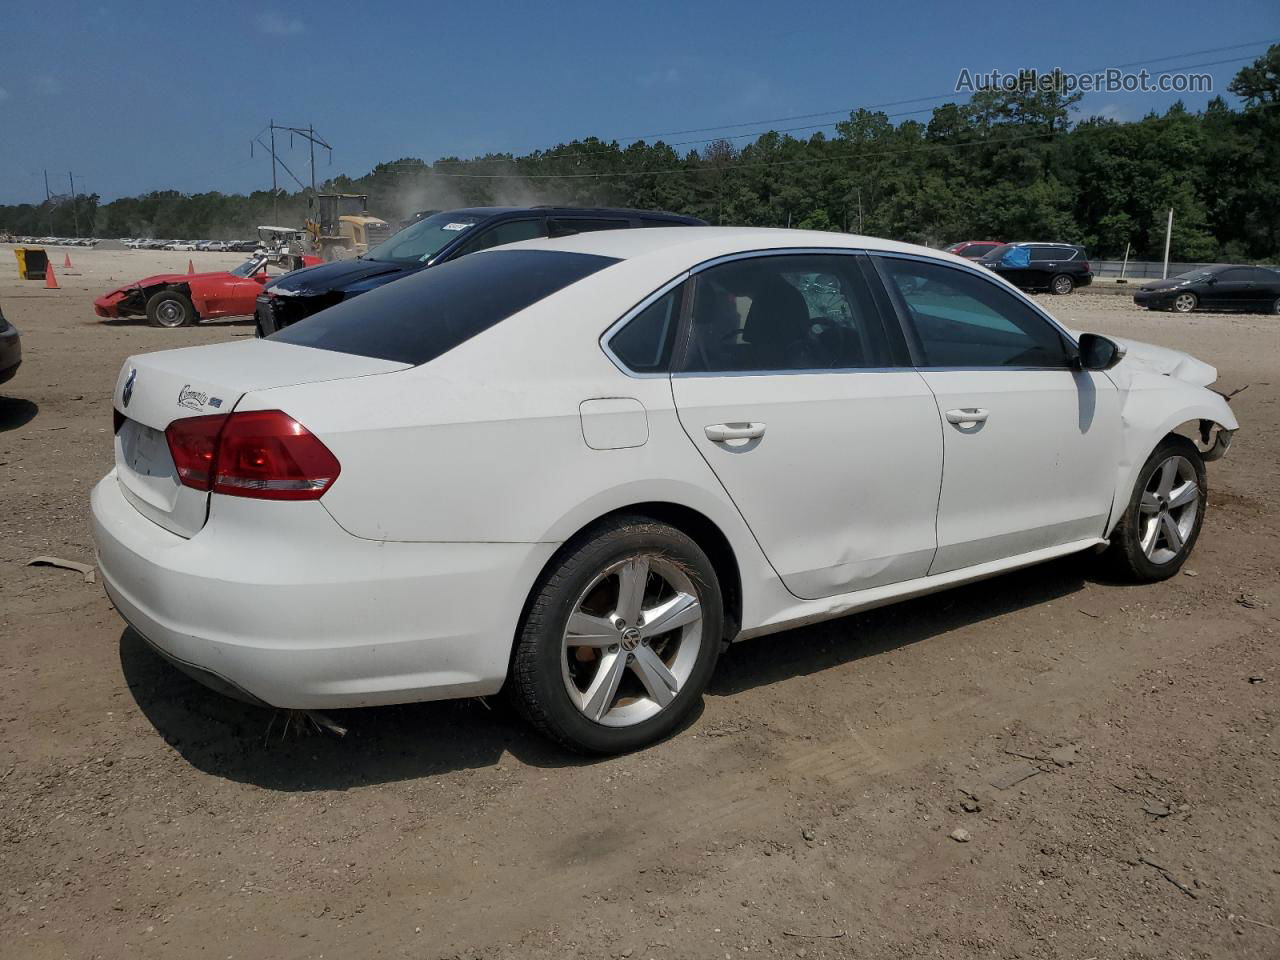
(1013, 774)
(84, 568)
(1170, 877)
(960, 835)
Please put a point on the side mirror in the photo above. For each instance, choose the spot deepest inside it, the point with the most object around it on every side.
(1098, 353)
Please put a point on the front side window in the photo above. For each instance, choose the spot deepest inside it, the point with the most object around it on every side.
(779, 313)
(513, 231)
(644, 343)
(964, 320)
(1236, 275)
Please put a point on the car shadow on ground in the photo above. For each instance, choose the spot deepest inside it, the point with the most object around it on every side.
(143, 322)
(282, 750)
(16, 412)
(806, 650)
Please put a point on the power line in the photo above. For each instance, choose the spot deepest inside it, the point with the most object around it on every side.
(892, 103)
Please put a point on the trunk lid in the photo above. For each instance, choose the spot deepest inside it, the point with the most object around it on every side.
(155, 389)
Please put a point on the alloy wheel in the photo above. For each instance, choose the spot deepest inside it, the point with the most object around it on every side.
(632, 641)
(1168, 509)
(1185, 302)
(1062, 285)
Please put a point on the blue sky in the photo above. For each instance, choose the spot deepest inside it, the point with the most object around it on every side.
(148, 95)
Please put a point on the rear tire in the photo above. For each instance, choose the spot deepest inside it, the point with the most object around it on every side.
(620, 687)
(170, 308)
(1062, 284)
(1163, 518)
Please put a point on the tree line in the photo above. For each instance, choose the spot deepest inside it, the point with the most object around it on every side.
(1010, 165)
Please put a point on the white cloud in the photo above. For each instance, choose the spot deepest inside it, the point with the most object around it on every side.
(661, 78)
(276, 24)
(4, 94)
(1115, 111)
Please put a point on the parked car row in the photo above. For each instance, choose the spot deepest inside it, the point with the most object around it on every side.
(219, 246)
(56, 241)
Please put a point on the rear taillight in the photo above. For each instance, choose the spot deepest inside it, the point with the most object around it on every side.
(1087, 268)
(193, 444)
(264, 454)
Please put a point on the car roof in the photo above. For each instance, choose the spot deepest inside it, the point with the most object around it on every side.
(706, 243)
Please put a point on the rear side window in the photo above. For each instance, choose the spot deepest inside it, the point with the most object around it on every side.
(644, 344)
(567, 226)
(420, 317)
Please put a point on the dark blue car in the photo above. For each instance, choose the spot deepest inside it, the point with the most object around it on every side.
(442, 236)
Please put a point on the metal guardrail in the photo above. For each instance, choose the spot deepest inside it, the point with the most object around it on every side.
(1142, 269)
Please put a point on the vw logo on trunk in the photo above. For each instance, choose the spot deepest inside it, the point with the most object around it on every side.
(128, 386)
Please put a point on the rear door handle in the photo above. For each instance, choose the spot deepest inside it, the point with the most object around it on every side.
(723, 432)
(971, 415)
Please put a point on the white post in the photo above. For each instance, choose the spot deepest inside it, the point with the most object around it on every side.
(1168, 235)
(1125, 266)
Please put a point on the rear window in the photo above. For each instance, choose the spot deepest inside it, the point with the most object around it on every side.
(418, 318)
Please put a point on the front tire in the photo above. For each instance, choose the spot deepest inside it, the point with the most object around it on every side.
(1162, 521)
(619, 638)
(170, 308)
(1062, 284)
(1185, 302)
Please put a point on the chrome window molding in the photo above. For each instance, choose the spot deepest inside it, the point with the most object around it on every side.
(980, 272)
(630, 315)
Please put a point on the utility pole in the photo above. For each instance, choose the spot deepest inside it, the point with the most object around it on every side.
(1168, 235)
(275, 192)
(47, 197)
(308, 133)
(75, 210)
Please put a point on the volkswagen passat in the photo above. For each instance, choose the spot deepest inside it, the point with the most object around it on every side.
(578, 467)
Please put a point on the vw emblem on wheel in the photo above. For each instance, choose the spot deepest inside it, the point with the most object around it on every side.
(630, 638)
(128, 386)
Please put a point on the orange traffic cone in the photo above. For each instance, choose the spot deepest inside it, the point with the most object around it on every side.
(191, 267)
(66, 260)
(50, 280)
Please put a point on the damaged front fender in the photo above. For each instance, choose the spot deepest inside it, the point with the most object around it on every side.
(1155, 405)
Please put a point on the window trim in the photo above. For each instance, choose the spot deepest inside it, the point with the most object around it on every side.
(912, 337)
(634, 312)
(678, 355)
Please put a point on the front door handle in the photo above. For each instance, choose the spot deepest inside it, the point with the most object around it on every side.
(971, 415)
(723, 432)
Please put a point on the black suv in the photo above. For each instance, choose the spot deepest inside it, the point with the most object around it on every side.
(435, 239)
(1056, 267)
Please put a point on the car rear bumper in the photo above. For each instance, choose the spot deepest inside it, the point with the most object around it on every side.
(288, 609)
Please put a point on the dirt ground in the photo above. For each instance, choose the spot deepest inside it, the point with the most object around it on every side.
(806, 812)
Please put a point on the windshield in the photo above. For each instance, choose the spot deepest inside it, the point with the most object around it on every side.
(249, 267)
(998, 252)
(421, 241)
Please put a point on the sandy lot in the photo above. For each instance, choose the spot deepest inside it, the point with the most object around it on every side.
(805, 813)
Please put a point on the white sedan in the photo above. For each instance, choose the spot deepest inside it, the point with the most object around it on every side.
(578, 467)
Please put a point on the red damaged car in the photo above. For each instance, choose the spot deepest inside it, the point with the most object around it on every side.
(181, 299)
